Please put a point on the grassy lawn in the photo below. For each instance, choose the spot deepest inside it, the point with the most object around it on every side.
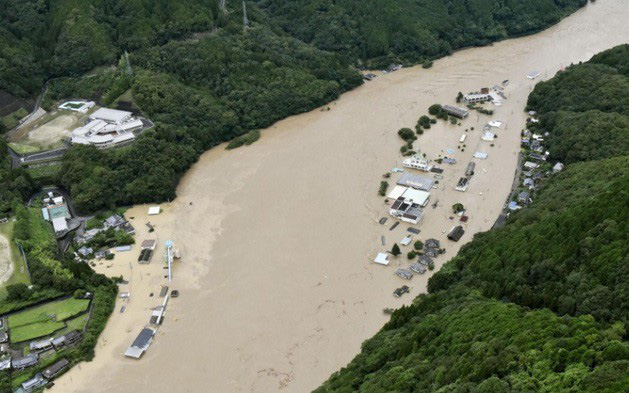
(46, 319)
(13, 119)
(76, 323)
(20, 273)
(23, 149)
(57, 311)
(34, 330)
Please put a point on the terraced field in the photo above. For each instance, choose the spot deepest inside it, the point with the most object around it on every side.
(45, 319)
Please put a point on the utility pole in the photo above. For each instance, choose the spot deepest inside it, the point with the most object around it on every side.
(245, 20)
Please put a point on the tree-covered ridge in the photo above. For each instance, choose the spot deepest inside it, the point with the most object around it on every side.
(541, 304)
(585, 108)
(467, 343)
(15, 185)
(567, 252)
(411, 31)
(45, 39)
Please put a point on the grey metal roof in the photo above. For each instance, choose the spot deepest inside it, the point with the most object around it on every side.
(26, 361)
(425, 260)
(417, 182)
(404, 273)
(418, 268)
(55, 368)
(141, 343)
(432, 243)
(456, 233)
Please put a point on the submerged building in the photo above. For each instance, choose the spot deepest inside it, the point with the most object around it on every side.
(140, 344)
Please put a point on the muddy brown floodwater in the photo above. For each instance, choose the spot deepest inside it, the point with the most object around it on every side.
(277, 287)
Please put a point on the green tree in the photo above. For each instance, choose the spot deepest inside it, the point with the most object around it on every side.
(395, 250)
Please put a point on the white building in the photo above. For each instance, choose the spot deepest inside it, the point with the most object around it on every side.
(107, 128)
(472, 98)
(410, 195)
(60, 224)
(112, 116)
(417, 162)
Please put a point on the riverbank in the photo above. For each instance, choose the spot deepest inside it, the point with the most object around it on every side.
(277, 290)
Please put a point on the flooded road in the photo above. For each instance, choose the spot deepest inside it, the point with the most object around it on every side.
(277, 287)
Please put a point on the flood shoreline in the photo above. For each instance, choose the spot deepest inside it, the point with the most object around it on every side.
(277, 286)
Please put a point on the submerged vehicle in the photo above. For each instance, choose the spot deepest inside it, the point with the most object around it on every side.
(401, 291)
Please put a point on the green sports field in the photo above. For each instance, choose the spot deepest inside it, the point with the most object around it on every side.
(45, 319)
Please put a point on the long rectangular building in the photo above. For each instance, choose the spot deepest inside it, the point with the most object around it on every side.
(456, 111)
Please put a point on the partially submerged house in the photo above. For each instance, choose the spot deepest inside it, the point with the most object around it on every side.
(417, 161)
(406, 210)
(425, 259)
(456, 233)
(145, 256)
(416, 182)
(475, 98)
(462, 184)
(140, 344)
(469, 171)
(404, 273)
(418, 268)
(455, 111)
(382, 259)
(432, 243)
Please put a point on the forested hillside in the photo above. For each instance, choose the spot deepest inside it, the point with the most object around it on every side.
(204, 79)
(409, 31)
(542, 304)
(15, 185)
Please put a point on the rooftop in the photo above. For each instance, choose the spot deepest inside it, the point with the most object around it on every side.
(111, 115)
(415, 181)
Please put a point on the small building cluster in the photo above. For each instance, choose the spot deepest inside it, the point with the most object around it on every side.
(107, 128)
(494, 95)
(116, 221)
(535, 166)
(56, 212)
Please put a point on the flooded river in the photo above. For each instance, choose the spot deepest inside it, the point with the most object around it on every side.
(277, 287)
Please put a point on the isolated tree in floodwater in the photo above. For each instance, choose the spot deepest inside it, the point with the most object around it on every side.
(395, 250)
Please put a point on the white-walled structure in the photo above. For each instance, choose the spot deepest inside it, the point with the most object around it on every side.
(107, 128)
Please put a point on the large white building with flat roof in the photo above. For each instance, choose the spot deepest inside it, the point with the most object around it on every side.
(112, 116)
(107, 128)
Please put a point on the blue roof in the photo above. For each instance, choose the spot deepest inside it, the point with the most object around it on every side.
(44, 212)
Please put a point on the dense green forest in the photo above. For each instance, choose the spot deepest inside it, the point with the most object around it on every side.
(541, 304)
(204, 79)
(15, 185)
(379, 33)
